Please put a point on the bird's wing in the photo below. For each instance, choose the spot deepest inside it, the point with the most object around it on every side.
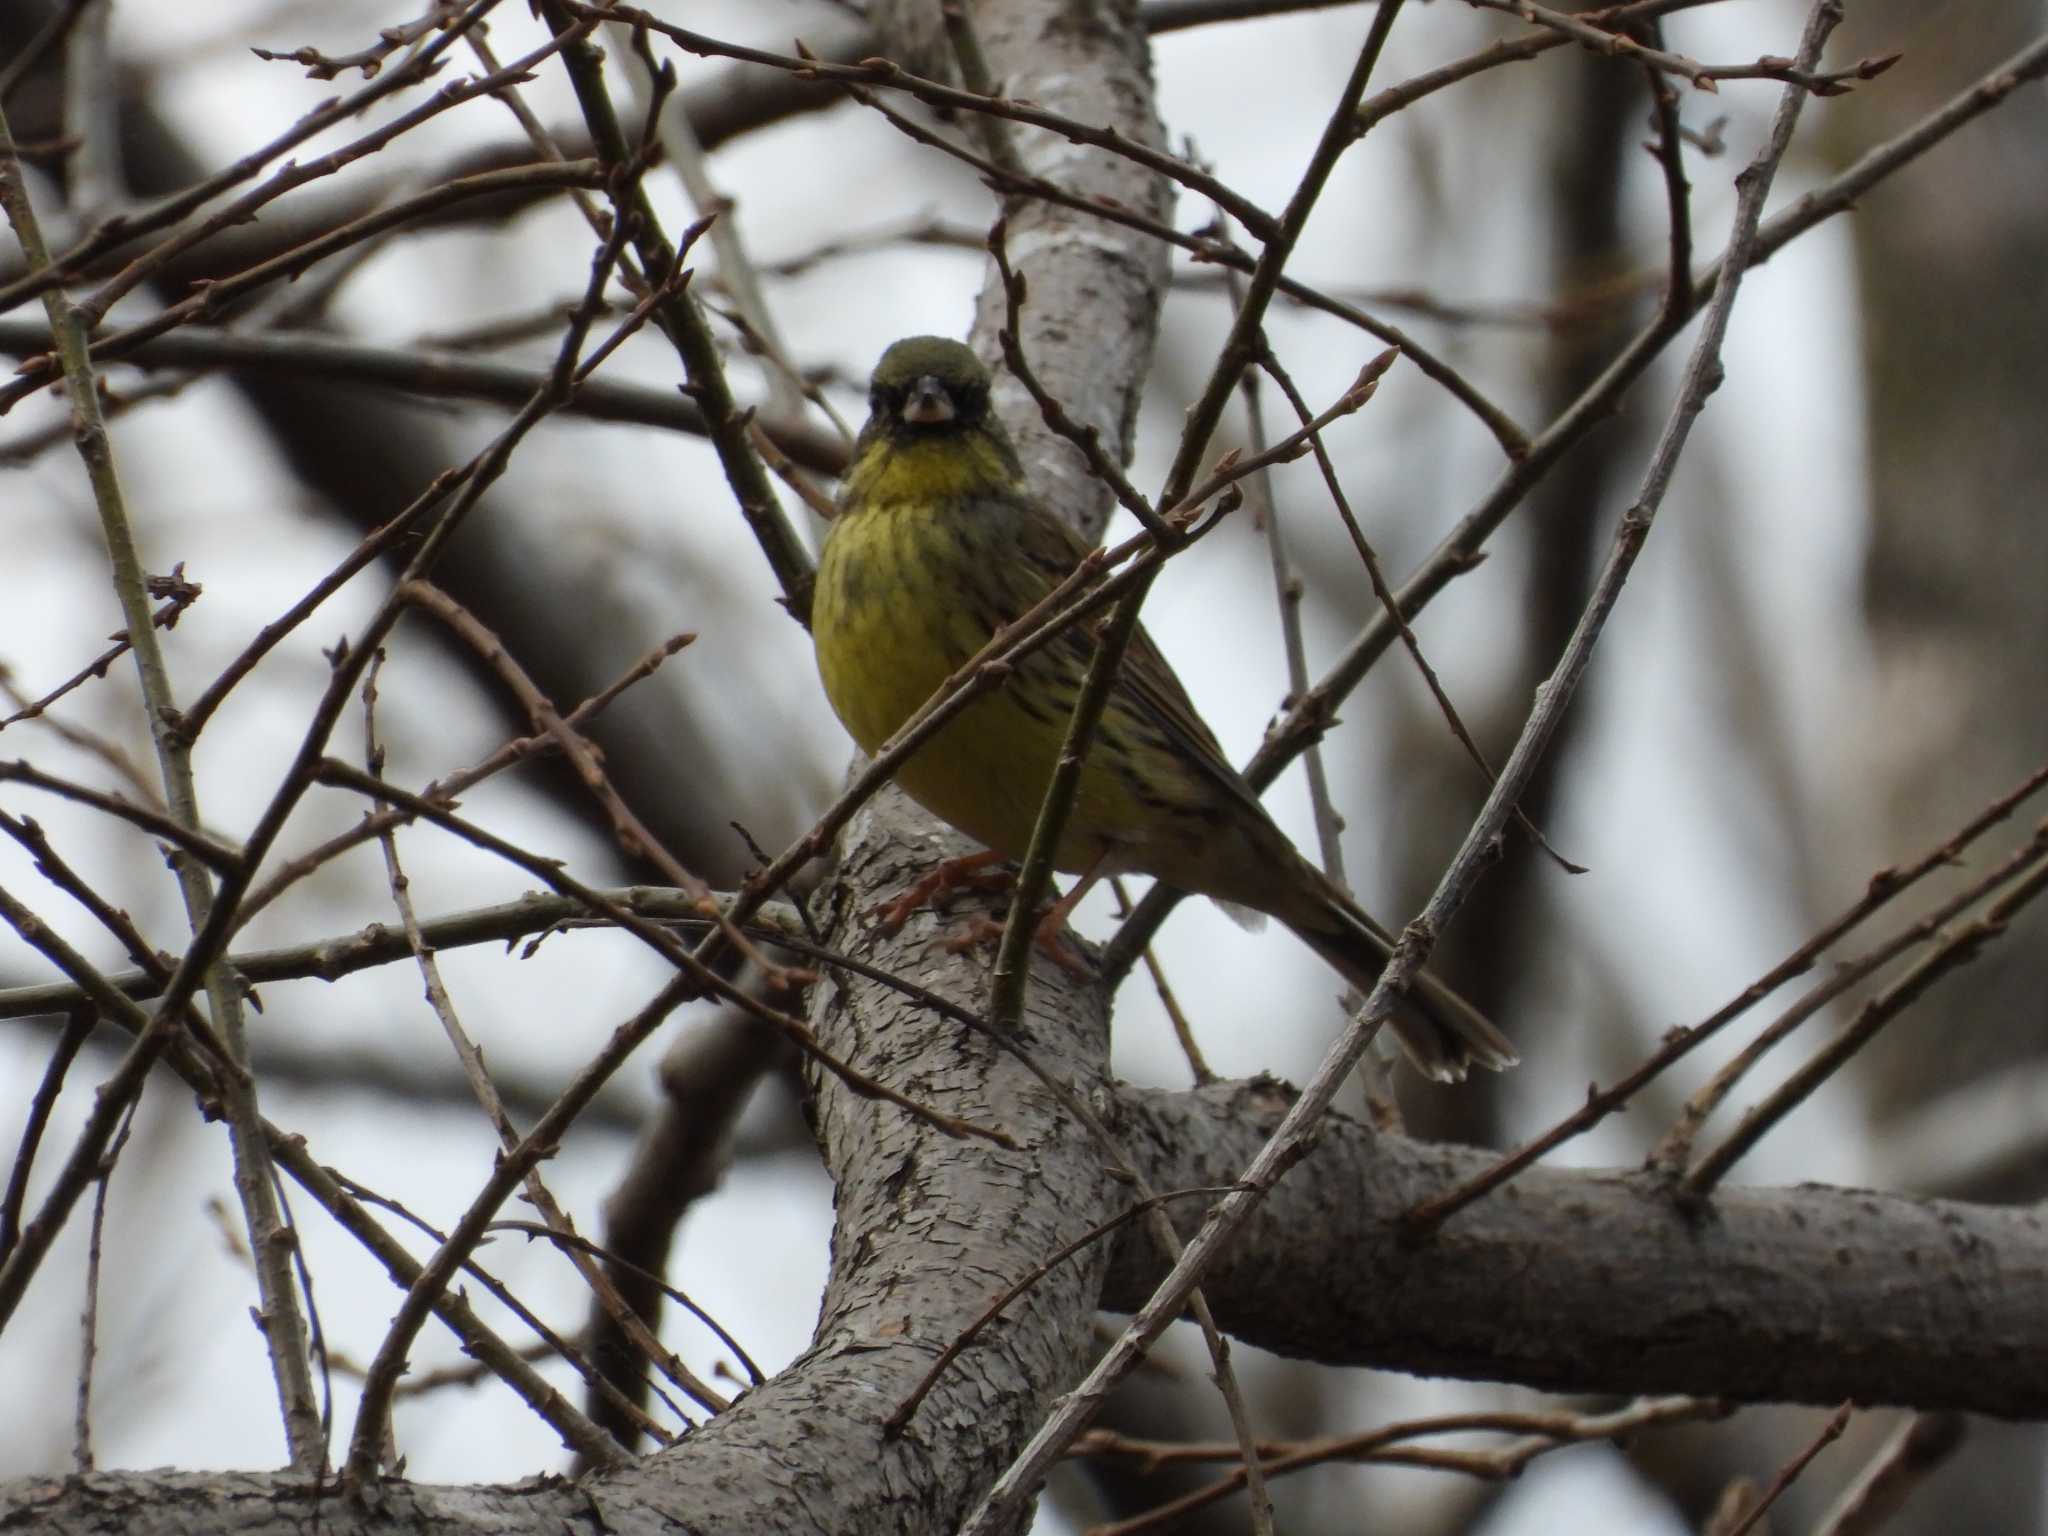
(1149, 686)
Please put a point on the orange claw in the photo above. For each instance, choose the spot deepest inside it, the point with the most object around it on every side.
(1050, 937)
(968, 872)
(972, 871)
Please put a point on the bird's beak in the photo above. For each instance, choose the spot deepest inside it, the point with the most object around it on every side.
(928, 404)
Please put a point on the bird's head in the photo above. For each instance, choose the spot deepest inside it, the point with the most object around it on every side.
(927, 385)
(930, 432)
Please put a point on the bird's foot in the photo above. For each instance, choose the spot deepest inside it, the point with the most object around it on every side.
(1050, 937)
(970, 872)
(973, 872)
(1062, 951)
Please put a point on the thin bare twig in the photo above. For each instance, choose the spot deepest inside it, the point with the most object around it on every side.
(1955, 950)
(38, 372)
(699, 978)
(1287, 595)
(1183, 1032)
(530, 916)
(504, 757)
(1087, 439)
(1789, 1473)
(479, 1077)
(634, 838)
(1885, 885)
(369, 60)
(88, 1321)
(1620, 45)
(77, 1025)
(1921, 1445)
(295, 174)
(123, 228)
(185, 839)
(906, 1410)
(1021, 1478)
(278, 1317)
(186, 594)
(343, 1199)
(434, 375)
(1376, 575)
(1281, 1150)
(1674, 1148)
(576, 1241)
(875, 72)
(680, 319)
(381, 1379)
(1540, 1434)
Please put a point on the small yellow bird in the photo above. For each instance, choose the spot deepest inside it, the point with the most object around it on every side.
(938, 543)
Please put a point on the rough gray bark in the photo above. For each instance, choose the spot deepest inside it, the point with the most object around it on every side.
(1948, 255)
(1585, 1281)
(1094, 289)
(1597, 1281)
(1580, 1281)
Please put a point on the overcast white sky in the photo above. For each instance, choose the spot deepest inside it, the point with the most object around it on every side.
(1659, 813)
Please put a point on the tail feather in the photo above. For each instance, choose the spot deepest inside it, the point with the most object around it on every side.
(1444, 1035)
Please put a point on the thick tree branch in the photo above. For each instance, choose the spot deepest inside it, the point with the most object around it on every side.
(1574, 1280)
(1598, 1281)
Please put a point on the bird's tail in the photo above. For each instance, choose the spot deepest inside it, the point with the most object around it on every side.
(1444, 1035)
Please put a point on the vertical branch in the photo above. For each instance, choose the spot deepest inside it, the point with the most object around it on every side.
(974, 75)
(282, 1324)
(1288, 1142)
(91, 95)
(671, 124)
(1241, 347)
(88, 1321)
(682, 321)
(1287, 594)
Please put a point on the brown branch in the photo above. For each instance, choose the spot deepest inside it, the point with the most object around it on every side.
(296, 174)
(183, 597)
(1956, 949)
(876, 72)
(1389, 606)
(1674, 1149)
(1884, 886)
(1086, 438)
(37, 372)
(512, 752)
(1541, 1433)
(697, 978)
(370, 60)
(434, 374)
(632, 835)
(1789, 1473)
(77, 1025)
(122, 228)
(1598, 39)
(486, 1093)
(202, 846)
(681, 320)
(906, 1410)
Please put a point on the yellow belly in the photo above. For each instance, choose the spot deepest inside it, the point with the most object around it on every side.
(897, 610)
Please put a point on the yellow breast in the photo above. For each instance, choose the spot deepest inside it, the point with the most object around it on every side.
(911, 586)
